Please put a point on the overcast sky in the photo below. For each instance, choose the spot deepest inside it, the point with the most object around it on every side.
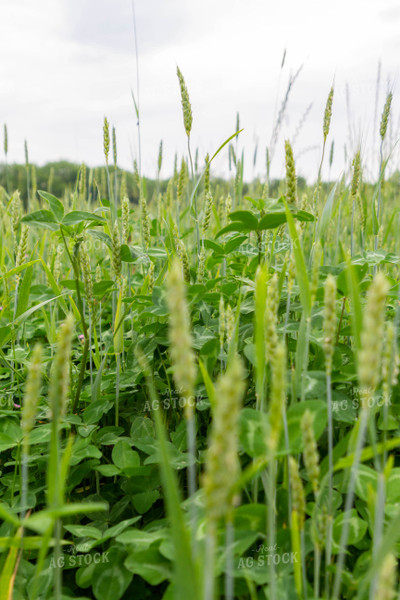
(67, 63)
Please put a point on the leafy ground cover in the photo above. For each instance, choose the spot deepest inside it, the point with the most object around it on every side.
(198, 391)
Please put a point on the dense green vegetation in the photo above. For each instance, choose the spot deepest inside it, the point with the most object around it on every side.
(198, 382)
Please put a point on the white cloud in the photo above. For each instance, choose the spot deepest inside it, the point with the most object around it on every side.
(67, 63)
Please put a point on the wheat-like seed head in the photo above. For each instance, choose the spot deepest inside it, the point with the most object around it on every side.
(278, 395)
(387, 579)
(229, 323)
(181, 182)
(186, 106)
(5, 140)
(125, 219)
(32, 391)
(369, 359)
(106, 139)
(328, 114)
(21, 251)
(291, 180)
(160, 157)
(180, 337)
(385, 116)
(59, 377)
(298, 499)
(150, 276)
(201, 265)
(116, 253)
(310, 452)
(355, 182)
(207, 175)
(183, 256)
(16, 212)
(207, 213)
(222, 465)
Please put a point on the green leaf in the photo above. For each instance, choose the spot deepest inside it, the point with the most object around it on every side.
(393, 486)
(150, 565)
(246, 217)
(110, 578)
(101, 287)
(24, 291)
(253, 431)
(356, 528)
(7, 515)
(272, 220)
(128, 254)
(55, 287)
(16, 270)
(81, 531)
(138, 538)
(301, 271)
(318, 408)
(145, 500)
(235, 226)
(366, 478)
(41, 218)
(124, 457)
(107, 470)
(81, 216)
(55, 204)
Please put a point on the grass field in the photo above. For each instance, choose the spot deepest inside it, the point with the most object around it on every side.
(198, 390)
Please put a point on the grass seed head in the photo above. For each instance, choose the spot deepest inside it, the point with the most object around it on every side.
(125, 219)
(207, 213)
(160, 157)
(298, 499)
(385, 116)
(116, 253)
(355, 182)
(222, 465)
(310, 452)
(387, 579)
(106, 139)
(32, 391)
(278, 395)
(207, 176)
(201, 265)
(328, 114)
(21, 251)
(183, 256)
(5, 140)
(59, 377)
(369, 359)
(180, 336)
(291, 180)
(186, 106)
